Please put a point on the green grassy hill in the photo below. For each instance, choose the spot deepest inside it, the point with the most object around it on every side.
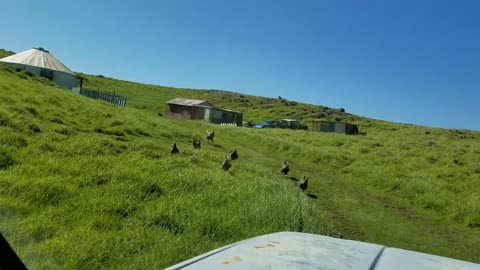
(84, 184)
(5, 53)
(152, 98)
(91, 185)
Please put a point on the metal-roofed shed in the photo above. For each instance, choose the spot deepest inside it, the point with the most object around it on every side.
(337, 127)
(195, 109)
(185, 108)
(219, 116)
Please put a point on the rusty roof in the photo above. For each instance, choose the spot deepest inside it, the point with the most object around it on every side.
(189, 102)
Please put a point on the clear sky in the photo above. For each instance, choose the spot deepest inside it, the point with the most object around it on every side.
(410, 61)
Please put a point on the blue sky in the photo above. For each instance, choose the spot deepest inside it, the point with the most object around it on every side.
(405, 61)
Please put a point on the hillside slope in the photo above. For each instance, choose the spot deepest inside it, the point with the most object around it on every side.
(84, 184)
(90, 185)
(418, 178)
(152, 98)
(5, 53)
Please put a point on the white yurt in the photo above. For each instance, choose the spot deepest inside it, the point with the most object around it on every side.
(41, 62)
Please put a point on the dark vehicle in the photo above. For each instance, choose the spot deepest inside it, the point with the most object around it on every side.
(292, 124)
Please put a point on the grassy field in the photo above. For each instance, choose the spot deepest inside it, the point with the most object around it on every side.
(5, 53)
(90, 185)
(84, 184)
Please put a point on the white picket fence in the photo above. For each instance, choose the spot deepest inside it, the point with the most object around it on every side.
(228, 124)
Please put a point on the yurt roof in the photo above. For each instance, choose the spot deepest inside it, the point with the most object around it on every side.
(38, 57)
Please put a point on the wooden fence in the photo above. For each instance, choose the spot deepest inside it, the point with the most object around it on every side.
(120, 101)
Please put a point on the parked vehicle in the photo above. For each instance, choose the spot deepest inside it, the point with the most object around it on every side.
(267, 124)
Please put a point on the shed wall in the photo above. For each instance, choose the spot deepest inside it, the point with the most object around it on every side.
(64, 79)
(351, 129)
(218, 116)
(185, 112)
(340, 127)
(327, 127)
(61, 78)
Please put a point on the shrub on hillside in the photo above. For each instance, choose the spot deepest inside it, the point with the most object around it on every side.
(64, 131)
(34, 128)
(41, 193)
(57, 120)
(116, 123)
(5, 160)
(13, 140)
